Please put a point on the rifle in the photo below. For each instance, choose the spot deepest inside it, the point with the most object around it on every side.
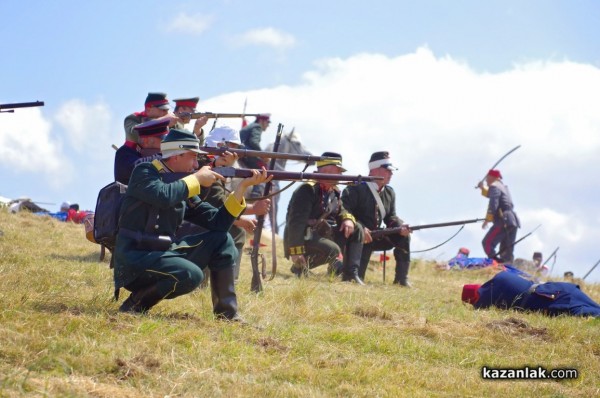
(553, 254)
(500, 253)
(12, 107)
(590, 271)
(256, 284)
(380, 233)
(241, 152)
(214, 115)
(232, 172)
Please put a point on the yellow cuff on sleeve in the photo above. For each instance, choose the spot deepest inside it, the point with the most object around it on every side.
(296, 250)
(192, 184)
(489, 217)
(484, 192)
(234, 207)
(349, 216)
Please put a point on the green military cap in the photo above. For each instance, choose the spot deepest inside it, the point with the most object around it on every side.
(179, 141)
(332, 159)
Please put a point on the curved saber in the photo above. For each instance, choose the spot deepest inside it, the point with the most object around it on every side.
(500, 160)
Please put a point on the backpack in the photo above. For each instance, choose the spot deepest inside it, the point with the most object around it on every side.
(106, 216)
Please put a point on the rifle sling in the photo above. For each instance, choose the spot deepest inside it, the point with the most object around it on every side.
(373, 187)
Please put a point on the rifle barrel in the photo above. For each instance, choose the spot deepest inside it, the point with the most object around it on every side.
(591, 269)
(293, 176)
(263, 154)
(388, 231)
(445, 224)
(232, 172)
(215, 115)
(22, 105)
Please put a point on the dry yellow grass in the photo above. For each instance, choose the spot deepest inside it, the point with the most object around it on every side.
(61, 334)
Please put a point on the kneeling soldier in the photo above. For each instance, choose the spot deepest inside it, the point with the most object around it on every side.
(149, 261)
(318, 228)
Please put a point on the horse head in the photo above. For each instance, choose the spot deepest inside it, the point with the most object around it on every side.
(291, 143)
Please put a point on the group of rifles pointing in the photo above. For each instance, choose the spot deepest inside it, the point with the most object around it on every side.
(181, 214)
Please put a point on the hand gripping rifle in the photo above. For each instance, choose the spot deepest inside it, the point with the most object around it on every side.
(11, 107)
(380, 233)
(256, 283)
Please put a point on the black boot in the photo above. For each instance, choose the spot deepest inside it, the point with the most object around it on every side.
(142, 300)
(223, 294)
(336, 268)
(352, 276)
(401, 277)
(352, 263)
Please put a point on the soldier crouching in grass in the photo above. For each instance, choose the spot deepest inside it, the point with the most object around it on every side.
(318, 228)
(149, 262)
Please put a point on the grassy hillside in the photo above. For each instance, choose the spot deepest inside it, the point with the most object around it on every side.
(61, 334)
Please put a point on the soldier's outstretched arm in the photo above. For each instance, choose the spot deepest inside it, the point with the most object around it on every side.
(258, 177)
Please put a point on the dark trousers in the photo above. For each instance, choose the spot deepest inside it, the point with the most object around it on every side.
(179, 271)
(321, 250)
(503, 235)
(400, 244)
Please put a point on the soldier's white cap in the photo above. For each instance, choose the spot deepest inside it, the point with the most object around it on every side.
(223, 134)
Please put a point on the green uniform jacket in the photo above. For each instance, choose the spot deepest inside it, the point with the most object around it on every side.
(175, 202)
(216, 196)
(306, 204)
(359, 200)
(250, 137)
(130, 122)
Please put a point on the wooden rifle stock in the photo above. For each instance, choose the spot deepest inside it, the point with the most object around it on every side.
(379, 233)
(256, 283)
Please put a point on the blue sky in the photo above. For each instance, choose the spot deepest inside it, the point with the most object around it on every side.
(446, 86)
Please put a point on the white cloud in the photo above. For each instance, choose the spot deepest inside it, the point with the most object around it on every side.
(193, 24)
(86, 126)
(26, 144)
(445, 125)
(267, 37)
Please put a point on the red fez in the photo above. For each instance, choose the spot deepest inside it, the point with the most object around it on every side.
(470, 293)
(495, 173)
(191, 102)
